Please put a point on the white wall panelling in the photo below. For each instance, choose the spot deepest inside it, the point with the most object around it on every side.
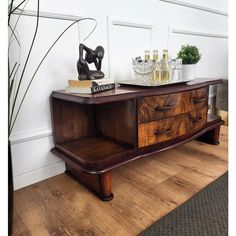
(128, 38)
(59, 66)
(203, 5)
(211, 45)
(31, 138)
(137, 26)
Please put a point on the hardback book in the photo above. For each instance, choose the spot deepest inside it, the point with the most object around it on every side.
(90, 83)
(90, 90)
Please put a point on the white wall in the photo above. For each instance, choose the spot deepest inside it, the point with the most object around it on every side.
(125, 29)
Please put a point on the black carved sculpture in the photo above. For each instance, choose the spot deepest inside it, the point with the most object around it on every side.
(91, 56)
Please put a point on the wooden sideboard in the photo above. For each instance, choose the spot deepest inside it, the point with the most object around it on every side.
(96, 133)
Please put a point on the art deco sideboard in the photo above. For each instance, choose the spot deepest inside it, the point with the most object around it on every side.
(96, 133)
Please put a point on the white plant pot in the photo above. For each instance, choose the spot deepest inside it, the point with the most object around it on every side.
(189, 72)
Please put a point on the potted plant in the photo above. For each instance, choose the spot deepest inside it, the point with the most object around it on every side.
(190, 57)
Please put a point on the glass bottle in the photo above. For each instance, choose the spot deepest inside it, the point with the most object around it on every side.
(157, 68)
(147, 55)
(177, 70)
(155, 55)
(165, 68)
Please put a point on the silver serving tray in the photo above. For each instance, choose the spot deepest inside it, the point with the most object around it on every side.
(148, 83)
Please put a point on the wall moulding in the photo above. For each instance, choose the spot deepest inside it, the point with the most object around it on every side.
(52, 14)
(196, 6)
(195, 32)
(203, 33)
(112, 22)
(30, 135)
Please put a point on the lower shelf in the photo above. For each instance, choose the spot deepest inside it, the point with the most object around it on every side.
(92, 150)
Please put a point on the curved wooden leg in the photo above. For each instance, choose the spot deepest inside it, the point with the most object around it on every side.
(98, 184)
(106, 186)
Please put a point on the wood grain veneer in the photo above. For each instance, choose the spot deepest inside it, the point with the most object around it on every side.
(71, 120)
(116, 120)
(169, 128)
(163, 106)
(197, 119)
(162, 130)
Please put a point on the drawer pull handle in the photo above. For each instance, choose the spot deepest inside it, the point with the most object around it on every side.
(165, 108)
(194, 119)
(163, 132)
(197, 100)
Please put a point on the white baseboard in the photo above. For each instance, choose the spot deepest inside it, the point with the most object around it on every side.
(39, 175)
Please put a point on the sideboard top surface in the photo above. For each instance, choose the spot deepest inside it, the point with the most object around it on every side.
(130, 92)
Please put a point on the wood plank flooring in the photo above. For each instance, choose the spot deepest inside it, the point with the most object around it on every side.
(145, 190)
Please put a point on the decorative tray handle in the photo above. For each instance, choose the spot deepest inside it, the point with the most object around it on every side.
(164, 108)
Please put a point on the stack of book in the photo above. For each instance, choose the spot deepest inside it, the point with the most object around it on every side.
(90, 86)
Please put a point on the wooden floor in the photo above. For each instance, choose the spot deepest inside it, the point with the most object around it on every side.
(145, 190)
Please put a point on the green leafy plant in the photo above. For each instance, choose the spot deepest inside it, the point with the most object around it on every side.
(16, 69)
(189, 54)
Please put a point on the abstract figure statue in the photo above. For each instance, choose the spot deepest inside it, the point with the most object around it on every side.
(91, 56)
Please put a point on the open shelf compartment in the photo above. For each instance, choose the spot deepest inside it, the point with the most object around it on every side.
(92, 150)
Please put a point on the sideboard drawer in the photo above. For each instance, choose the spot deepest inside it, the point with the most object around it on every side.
(196, 99)
(163, 106)
(158, 107)
(169, 128)
(162, 130)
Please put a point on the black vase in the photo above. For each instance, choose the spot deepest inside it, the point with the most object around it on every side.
(10, 191)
